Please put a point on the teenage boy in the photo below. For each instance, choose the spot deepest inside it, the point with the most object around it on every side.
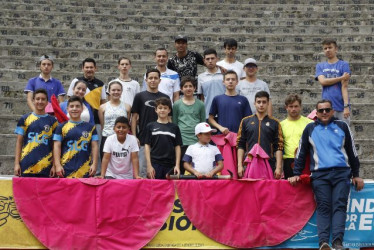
(249, 86)
(184, 61)
(202, 158)
(130, 87)
(334, 165)
(34, 145)
(264, 130)
(120, 160)
(75, 149)
(44, 81)
(230, 108)
(187, 113)
(143, 110)
(292, 129)
(230, 47)
(170, 81)
(210, 82)
(334, 76)
(162, 143)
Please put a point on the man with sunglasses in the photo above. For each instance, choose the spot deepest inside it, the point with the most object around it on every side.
(333, 161)
(249, 86)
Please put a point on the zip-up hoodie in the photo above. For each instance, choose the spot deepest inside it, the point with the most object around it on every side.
(329, 146)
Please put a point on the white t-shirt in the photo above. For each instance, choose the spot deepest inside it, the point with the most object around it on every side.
(129, 90)
(249, 90)
(204, 158)
(120, 166)
(236, 66)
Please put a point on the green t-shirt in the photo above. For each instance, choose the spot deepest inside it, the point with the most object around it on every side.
(292, 132)
(187, 117)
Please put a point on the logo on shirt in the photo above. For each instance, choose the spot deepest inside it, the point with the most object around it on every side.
(252, 123)
(35, 137)
(47, 128)
(150, 103)
(122, 154)
(77, 146)
(267, 124)
(85, 134)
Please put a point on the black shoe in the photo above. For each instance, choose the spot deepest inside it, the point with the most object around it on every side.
(337, 245)
(324, 246)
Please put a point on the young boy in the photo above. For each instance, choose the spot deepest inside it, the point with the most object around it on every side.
(75, 149)
(202, 158)
(130, 87)
(120, 159)
(230, 108)
(229, 62)
(187, 113)
(162, 143)
(334, 76)
(33, 156)
(210, 82)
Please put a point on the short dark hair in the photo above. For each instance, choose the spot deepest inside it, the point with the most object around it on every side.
(75, 98)
(152, 70)
(291, 98)
(123, 58)
(323, 101)
(209, 52)
(161, 49)
(186, 79)
(115, 82)
(329, 41)
(163, 101)
(39, 91)
(262, 93)
(89, 60)
(122, 119)
(230, 43)
(230, 72)
(79, 81)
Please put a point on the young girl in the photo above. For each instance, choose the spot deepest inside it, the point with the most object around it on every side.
(120, 159)
(110, 111)
(79, 90)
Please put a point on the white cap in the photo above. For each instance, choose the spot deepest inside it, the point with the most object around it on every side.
(250, 60)
(203, 128)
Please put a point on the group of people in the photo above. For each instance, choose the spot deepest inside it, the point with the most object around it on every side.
(167, 127)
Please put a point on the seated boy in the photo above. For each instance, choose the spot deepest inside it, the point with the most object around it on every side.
(75, 149)
(163, 142)
(33, 156)
(120, 159)
(202, 158)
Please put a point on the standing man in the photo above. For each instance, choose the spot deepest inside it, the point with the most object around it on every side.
(262, 129)
(170, 82)
(230, 47)
(44, 81)
(334, 77)
(130, 87)
(292, 129)
(184, 61)
(251, 85)
(230, 108)
(143, 109)
(333, 162)
(210, 82)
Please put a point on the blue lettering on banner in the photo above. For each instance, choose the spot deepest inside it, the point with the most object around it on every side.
(35, 137)
(76, 146)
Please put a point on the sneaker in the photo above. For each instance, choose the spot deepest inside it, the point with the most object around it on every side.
(337, 245)
(324, 246)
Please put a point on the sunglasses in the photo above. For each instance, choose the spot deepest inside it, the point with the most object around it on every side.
(327, 110)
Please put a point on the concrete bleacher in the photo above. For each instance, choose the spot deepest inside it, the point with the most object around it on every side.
(284, 36)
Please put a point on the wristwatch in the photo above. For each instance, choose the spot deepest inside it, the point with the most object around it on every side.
(347, 105)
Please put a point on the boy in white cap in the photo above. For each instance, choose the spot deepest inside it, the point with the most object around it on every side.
(249, 86)
(202, 158)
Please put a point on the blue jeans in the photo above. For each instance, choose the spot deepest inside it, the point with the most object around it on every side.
(331, 189)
